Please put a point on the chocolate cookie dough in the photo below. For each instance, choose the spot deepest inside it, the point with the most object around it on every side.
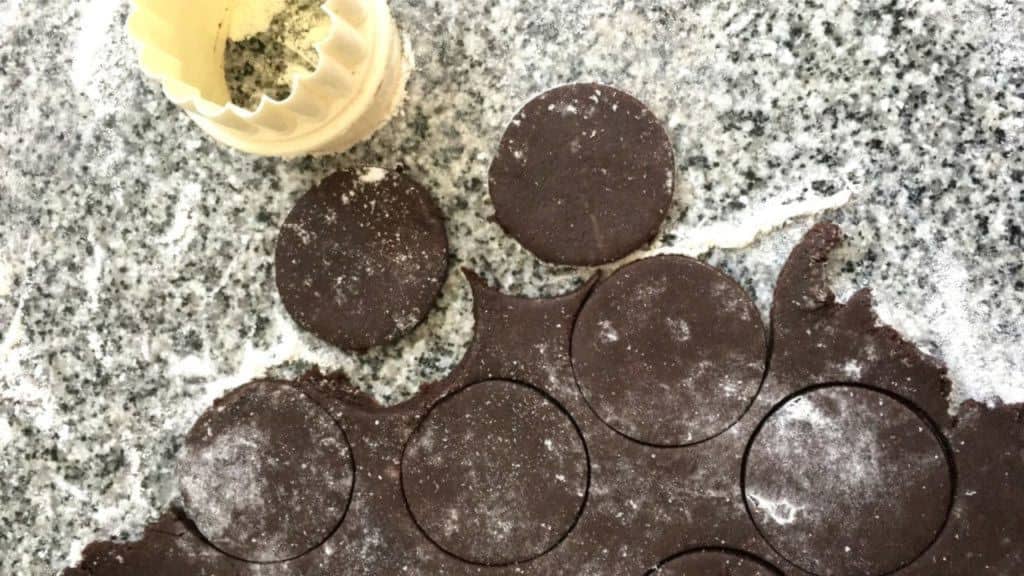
(715, 563)
(583, 175)
(171, 546)
(834, 473)
(496, 474)
(669, 351)
(362, 258)
(851, 419)
(266, 475)
(986, 528)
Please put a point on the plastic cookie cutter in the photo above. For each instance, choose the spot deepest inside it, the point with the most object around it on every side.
(356, 86)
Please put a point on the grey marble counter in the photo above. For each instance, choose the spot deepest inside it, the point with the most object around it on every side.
(136, 279)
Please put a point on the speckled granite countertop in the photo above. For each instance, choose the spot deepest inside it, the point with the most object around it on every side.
(136, 279)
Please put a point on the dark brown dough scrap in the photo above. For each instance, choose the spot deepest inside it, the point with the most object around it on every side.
(496, 474)
(817, 340)
(583, 176)
(266, 475)
(361, 258)
(169, 547)
(646, 504)
(985, 534)
(833, 474)
(715, 563)
(669, 351)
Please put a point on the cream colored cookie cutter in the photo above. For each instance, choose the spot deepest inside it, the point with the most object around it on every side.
(358, 83)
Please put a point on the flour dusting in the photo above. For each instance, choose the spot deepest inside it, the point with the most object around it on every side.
(960, 324)
(6, 277)
(266, 474)
(182, 227)
(95, 27)
(744, 228)
(373, 175)
(836, 467)
(229, 470)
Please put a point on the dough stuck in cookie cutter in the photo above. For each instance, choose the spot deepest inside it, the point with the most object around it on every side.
(356, 87)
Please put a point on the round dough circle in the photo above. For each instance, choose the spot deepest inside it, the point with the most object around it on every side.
(496, 474)
(846, 480)
(266, 474)
(361, 258)
(583, 176)
(669, 351)
(716, 562)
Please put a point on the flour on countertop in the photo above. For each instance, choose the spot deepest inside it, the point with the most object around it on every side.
(97, 18)
(961, 325)
(182, 229)
(744, 229)
(6, 278)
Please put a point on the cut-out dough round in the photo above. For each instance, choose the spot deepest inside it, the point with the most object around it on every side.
(845, 480)
(709, 562)
(361, 258)
(496, 474)
(669, 351)
(266, 475)
(583, 176)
